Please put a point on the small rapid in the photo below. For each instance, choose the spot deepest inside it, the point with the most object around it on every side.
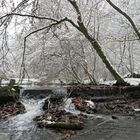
(23, 123)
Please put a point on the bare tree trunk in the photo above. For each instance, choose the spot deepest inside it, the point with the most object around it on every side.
(97, 47)
(95, 44)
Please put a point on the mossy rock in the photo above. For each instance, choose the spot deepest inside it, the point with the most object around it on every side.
(6, 99)
(63, 125)
(9, 94)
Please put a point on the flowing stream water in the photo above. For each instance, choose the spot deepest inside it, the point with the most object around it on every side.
(23, 123)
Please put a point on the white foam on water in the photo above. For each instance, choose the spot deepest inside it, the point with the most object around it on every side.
(24, 121)
(70, 107)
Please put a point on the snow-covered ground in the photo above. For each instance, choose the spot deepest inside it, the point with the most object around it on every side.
(131, 81)
(23, 82)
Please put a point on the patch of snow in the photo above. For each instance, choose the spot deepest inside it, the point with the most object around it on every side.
(5, 82)
(133, 81)
(23, 82)
(90, 104)
(55, 82)
(13, 89)
(110, 82)
(70, 107)
(137, 109)
(87, 81)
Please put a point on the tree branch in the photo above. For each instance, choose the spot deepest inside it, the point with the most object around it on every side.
(38, 30)
(126, 16)
(75, 6)
(95, 44)
(7, 18)
(81, 26)
(27, 15)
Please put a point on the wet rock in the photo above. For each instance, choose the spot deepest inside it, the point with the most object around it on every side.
(53, 101)
(114, 117)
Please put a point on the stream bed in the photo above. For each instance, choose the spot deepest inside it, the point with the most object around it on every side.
(96, 127)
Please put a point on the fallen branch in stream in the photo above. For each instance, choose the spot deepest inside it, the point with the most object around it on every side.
(62, 125)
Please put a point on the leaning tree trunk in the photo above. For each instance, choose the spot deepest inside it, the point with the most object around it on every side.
(95, 44)
(97, 47)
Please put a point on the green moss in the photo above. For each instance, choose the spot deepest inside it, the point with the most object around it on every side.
(63, 125)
